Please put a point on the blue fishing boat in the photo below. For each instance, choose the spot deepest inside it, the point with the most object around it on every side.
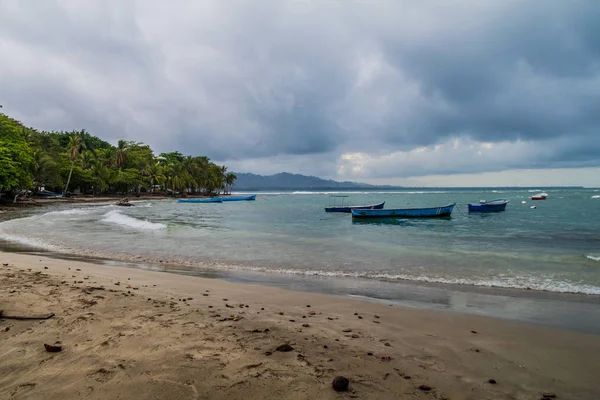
(489, 206)
(229, 198)
(433, 212)
(341, 208)
(198, 201)
(44, 194)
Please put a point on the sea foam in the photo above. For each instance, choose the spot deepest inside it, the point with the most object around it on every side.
(71, 211)
(31, 242)
(115, 217)
(592, 257)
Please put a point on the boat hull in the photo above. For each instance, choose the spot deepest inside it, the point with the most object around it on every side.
(198, 201)
(348, 209)
(490, 206)
(49, 195)
(246, 198)
(432, 212)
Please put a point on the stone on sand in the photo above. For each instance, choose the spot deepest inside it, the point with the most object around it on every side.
(340, 384)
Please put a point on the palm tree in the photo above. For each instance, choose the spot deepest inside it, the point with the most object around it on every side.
(42, 162)
(99, 172)
(229, 180)
(121, 153)
(153, 171)
(75, 147)
(88, 158)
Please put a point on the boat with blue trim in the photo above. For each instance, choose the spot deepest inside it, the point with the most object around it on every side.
(229, 198)
(341, 208)
(198, 201)
(431, 212)
(488, 206)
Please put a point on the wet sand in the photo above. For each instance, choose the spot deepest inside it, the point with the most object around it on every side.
(136, 334)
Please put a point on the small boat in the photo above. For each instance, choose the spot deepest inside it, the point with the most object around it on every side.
(489, 206)
(341, 208)
(539, 196)
(45, 194)
(246, 198)
(211, 200)
(432, 212)
(124, 203)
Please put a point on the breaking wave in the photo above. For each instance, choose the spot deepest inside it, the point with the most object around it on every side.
(115, 217)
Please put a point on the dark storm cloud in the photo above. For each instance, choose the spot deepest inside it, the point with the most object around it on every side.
(308, 81)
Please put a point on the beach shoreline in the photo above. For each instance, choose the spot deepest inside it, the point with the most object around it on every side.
(570, 311)
(157, 334)
(78, 200)
(564, 310)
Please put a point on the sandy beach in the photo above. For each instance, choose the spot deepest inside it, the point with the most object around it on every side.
(136, 334)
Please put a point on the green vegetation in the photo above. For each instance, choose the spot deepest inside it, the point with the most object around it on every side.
(65, 162)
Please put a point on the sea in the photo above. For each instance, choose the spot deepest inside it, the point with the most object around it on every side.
(538, 261)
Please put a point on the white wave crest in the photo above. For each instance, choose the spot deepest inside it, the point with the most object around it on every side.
(70, 211)
(116, 217)
(30, 242)
(592, 257)
(529, 283)
(596, 197)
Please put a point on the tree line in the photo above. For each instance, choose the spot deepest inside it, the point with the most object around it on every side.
(64, 162)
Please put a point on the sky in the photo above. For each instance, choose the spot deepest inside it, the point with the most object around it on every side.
(451, 93)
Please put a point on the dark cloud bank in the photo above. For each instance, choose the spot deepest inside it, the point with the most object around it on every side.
(360, 88)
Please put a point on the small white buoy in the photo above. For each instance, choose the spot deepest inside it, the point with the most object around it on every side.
(523, 202)
(533, 207)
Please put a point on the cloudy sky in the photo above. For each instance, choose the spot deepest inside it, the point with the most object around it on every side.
(465, 92)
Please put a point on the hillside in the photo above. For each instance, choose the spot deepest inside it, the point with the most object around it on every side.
(287, 181)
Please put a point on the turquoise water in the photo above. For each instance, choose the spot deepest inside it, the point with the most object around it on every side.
(555, 247)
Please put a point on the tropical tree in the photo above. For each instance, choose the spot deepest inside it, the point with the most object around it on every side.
(15, 155)
(121, 153)
(42, 167)
(154, 174)
(60, 160)
(229, 180)
(75, 147)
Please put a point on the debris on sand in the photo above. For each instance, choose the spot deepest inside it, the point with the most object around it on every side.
(384, 357)
(53, 348)
(340, 384)
(284, 348)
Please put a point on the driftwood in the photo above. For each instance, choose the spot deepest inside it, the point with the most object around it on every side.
(3, 315)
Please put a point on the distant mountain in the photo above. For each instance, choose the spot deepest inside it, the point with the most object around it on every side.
(287, 181)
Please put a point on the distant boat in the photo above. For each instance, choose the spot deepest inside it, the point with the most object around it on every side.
(348, 209)
(246, 198)
(433, 212)
(341, 208)
(489, 206)
(124, 203)
(48, 195)
(198, 201)
(539, 196)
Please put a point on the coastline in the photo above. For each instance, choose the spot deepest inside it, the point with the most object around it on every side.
(569, 311)
(161, 337)
(42, 202)
(564, 310)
